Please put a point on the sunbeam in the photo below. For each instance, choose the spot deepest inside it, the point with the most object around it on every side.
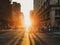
(32, 40)
(16, 36)
(26, 39)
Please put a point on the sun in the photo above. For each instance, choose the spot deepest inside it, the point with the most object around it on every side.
(26, 7)
(27, 21)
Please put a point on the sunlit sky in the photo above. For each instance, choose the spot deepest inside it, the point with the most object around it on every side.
(26, 5)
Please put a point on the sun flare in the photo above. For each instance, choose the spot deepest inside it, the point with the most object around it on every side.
(27, 21)
(26, 7)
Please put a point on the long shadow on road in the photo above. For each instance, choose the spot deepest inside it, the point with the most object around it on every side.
(37, 40)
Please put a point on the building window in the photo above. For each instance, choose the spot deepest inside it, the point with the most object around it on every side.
(57, 12)
(59, 2)
(48, 15)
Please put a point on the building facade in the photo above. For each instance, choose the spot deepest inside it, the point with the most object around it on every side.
(49, 12)
(17, 15)
(10, 14)
(5, 13)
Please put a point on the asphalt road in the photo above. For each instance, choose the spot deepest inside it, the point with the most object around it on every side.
(16, 37)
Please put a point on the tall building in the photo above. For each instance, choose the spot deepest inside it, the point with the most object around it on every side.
(16, 14)
(36, 5)
(4, 8)
(5, 12)
(37, 12)
(48, 11)
(10, 14)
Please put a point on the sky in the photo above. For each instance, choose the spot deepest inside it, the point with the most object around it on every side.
(26, 5)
